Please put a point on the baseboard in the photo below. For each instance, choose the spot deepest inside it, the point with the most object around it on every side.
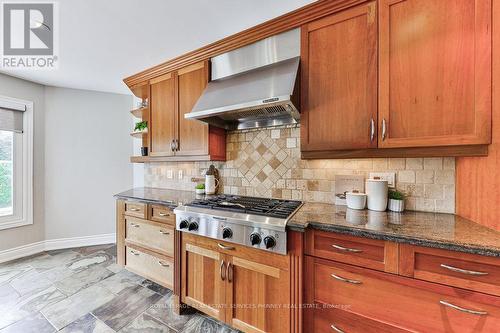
(55, 244)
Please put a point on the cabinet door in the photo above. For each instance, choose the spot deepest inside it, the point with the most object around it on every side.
(258, 297)
(339, 81)
(163, 115)
(203, 279)
(193, 135)
(435, 73)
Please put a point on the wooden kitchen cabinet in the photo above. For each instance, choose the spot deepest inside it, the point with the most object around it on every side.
(247, 288)
(339, 81)
(172, 137)
(435, 73)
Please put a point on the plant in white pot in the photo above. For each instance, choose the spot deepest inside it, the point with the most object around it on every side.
(200, 189)
(396, 201)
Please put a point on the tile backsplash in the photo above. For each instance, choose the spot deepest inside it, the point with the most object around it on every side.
(266, 162)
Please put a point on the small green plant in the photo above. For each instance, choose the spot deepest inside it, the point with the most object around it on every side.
(141, 126)
(200, 187)
(396, 195)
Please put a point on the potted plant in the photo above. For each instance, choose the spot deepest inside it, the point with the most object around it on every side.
(141, 126)
(200, 189)
(396, 200)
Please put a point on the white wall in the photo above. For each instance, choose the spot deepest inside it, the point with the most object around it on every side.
(87, 151)
(17, 88)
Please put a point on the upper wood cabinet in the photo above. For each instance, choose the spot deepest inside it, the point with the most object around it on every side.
(171, 136)
(435, 73)
(162, 115)
(339, 81)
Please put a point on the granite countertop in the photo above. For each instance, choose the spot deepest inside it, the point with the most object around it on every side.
(445, 231)
(171, 198)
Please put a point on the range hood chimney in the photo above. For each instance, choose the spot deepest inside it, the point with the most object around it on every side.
(254, 86)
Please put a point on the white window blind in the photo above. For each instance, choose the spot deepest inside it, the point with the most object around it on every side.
(11, 116)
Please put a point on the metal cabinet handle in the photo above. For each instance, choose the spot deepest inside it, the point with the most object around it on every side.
(172, 147)
(459, 308)
(163, 232)
(336, 329)
(463, 271)
(384, 129)
(346, 249)
(340, 278)
(229, 272)
(163, 214)
(176, 143)
(225, 247)
(134, 253)
(222, 271)
(134, 209)
(135, 225)
(372, 130)
(163, 264)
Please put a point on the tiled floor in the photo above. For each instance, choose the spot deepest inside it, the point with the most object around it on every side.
(83, 290)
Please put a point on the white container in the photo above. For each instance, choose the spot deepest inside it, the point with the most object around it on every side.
(377, 192)
(356, 200)
(199, 190)
(396, 205)
(211, 184)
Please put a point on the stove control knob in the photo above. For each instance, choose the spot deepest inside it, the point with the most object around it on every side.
(269, 242)
(255, 239)
(193, 226)
(227, 233)
(184, 224)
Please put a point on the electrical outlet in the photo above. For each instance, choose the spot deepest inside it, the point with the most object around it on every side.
(170, 174)
(181, 174)
(389, 176)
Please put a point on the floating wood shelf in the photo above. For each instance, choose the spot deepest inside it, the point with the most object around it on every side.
(139, 113)
(138, 135)
(148, 159)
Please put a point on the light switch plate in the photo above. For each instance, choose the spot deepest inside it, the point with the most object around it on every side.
(170, 174)
(181, 174)
(389, 176)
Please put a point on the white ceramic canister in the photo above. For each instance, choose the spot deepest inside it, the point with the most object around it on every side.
(355, 200)
(211, 184)
(377, 192)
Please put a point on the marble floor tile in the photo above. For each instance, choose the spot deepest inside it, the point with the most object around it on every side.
(10, 272)
(87, 324)
(30, 282)
(120, 281)
(8, 297)
(57, 273)
(83, 279)
(147, 324)
(155, 287)
(32, 324)
(100, 258)
(47, 261)
(129, 304)
(70, 309)
(27, 305)
(86, 250)
(203, 324)
(115, 268)
(163, 310)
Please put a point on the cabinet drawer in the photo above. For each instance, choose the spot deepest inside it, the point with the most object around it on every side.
(136, 209)
(370, 253)
(337, 320)
(468, 271)
(403, 302)
(162, 214)
(152, 235)
(159, 270)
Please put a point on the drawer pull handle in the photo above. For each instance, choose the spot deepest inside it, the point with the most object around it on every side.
(163, 264)
(134, 253)
(340, 278)
(459, 308)
(346, 249)
(225, 247)
(163, 214)
(336, 329)
(163, 232)
(134, 209)
(222, 271)
(464, 271)
(135, 225)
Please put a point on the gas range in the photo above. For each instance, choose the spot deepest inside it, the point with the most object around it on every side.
(256, 222)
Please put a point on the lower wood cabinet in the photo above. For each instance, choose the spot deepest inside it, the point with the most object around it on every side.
(248, 289)
(152, 266)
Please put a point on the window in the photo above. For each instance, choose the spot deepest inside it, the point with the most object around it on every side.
(16, 162)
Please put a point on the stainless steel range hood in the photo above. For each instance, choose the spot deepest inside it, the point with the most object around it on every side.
(254, 86)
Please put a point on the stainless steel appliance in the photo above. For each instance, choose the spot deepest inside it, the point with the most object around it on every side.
(255, 222)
